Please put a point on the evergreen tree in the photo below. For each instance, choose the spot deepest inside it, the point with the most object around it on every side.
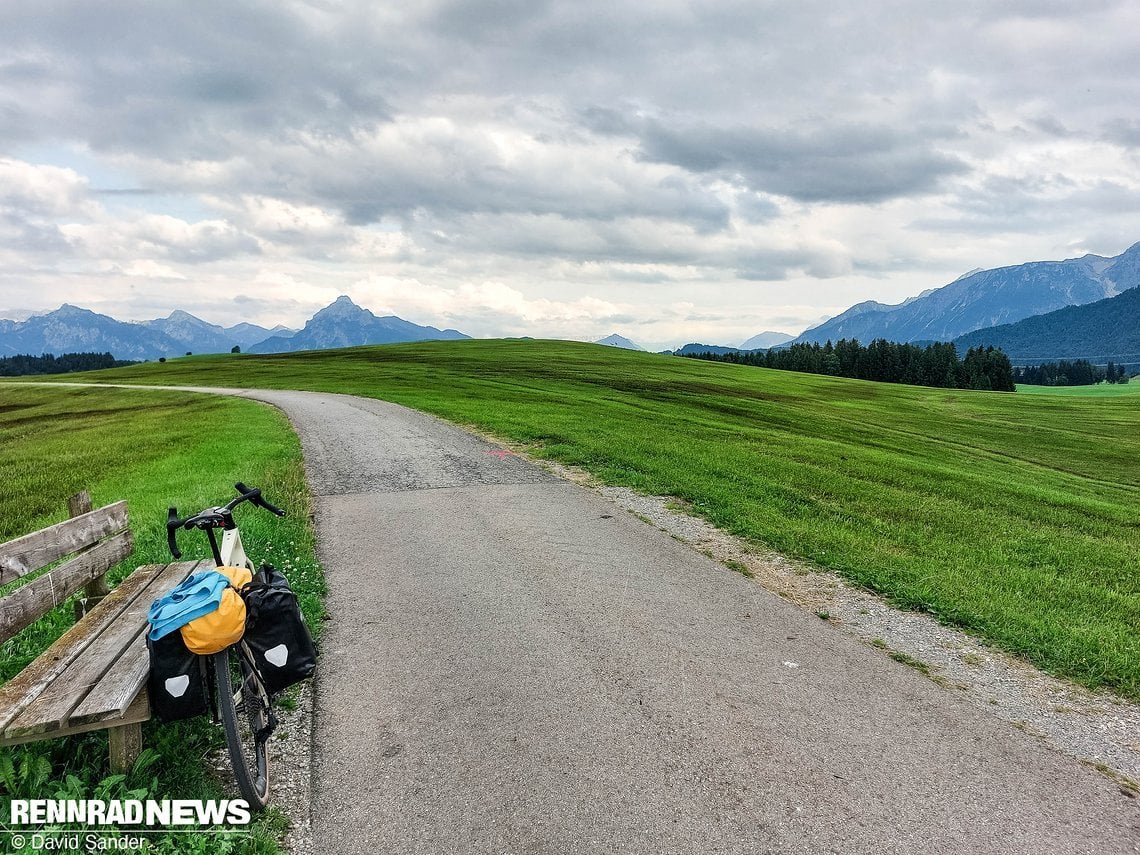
(888, 362)
(26, 364)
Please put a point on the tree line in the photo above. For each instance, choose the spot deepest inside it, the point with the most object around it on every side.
(23, 364)
(885, 361)
(1081, 372)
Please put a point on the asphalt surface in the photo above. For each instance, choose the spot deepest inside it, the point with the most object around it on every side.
(515, 665)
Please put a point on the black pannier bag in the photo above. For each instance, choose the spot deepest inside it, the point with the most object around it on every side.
(177, 683)
(275, 631)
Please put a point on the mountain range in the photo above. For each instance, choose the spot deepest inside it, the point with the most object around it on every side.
(1034, 311)
(70, 329)
(201, 337)
(986, 298)
(345, 324)
(1104, 331)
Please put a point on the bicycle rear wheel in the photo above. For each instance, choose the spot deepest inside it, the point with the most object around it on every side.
(248, 720)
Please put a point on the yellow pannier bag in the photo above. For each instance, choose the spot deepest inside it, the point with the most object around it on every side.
(224, 626)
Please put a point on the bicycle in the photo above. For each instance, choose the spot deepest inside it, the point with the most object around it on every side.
(241, 700)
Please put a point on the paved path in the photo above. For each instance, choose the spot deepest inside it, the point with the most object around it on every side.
(514, 665)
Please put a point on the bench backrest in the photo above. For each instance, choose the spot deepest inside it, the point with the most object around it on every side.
(96, 540)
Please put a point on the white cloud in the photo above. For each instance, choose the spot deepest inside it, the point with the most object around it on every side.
(162, 236)
(145, 269)
(36, 190)
(489, 306)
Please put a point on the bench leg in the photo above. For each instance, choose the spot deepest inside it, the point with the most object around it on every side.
(126, 744)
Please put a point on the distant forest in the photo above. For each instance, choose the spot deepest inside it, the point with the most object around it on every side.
(1100, 331)
(1078, 373)
(885, 361)
(22, 364)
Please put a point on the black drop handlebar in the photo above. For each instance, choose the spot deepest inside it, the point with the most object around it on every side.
(220, 517)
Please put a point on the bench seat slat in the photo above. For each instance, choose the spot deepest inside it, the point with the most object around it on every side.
(121, 682)
(24, 607)
(137, 712)
(138, 589)
(34, 551)
(111, 696)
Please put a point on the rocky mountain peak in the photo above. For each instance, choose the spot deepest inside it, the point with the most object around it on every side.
(615, 340)
(69, 311)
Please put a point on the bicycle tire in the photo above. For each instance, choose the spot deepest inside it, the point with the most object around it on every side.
(247, 720)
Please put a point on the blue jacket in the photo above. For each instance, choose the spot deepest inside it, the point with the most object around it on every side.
(199, 594)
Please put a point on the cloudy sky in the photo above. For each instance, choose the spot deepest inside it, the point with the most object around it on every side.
(675, 171)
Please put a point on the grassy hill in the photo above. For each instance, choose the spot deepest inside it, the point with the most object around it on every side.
(1015, 516)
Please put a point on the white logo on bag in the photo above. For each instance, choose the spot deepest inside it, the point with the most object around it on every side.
(176, 686)
(278, 655)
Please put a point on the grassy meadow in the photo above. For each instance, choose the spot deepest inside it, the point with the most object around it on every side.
(1100, 390)
(1015, 516)
(153, 449)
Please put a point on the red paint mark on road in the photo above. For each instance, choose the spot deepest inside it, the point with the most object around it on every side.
(500, 453)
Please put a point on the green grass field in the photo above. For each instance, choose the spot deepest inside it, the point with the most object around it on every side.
(1014, 516)
(153, 449)
(1101, 390)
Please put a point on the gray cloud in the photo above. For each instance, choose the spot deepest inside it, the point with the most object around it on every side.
(1040, 202)
(177, 81)
(36, 238)
(412, 168)
(836, 163)
(1125, 132)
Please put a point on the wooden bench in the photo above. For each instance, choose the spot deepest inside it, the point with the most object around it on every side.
(94, 676)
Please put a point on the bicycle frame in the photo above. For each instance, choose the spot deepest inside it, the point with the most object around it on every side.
(230, 553)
